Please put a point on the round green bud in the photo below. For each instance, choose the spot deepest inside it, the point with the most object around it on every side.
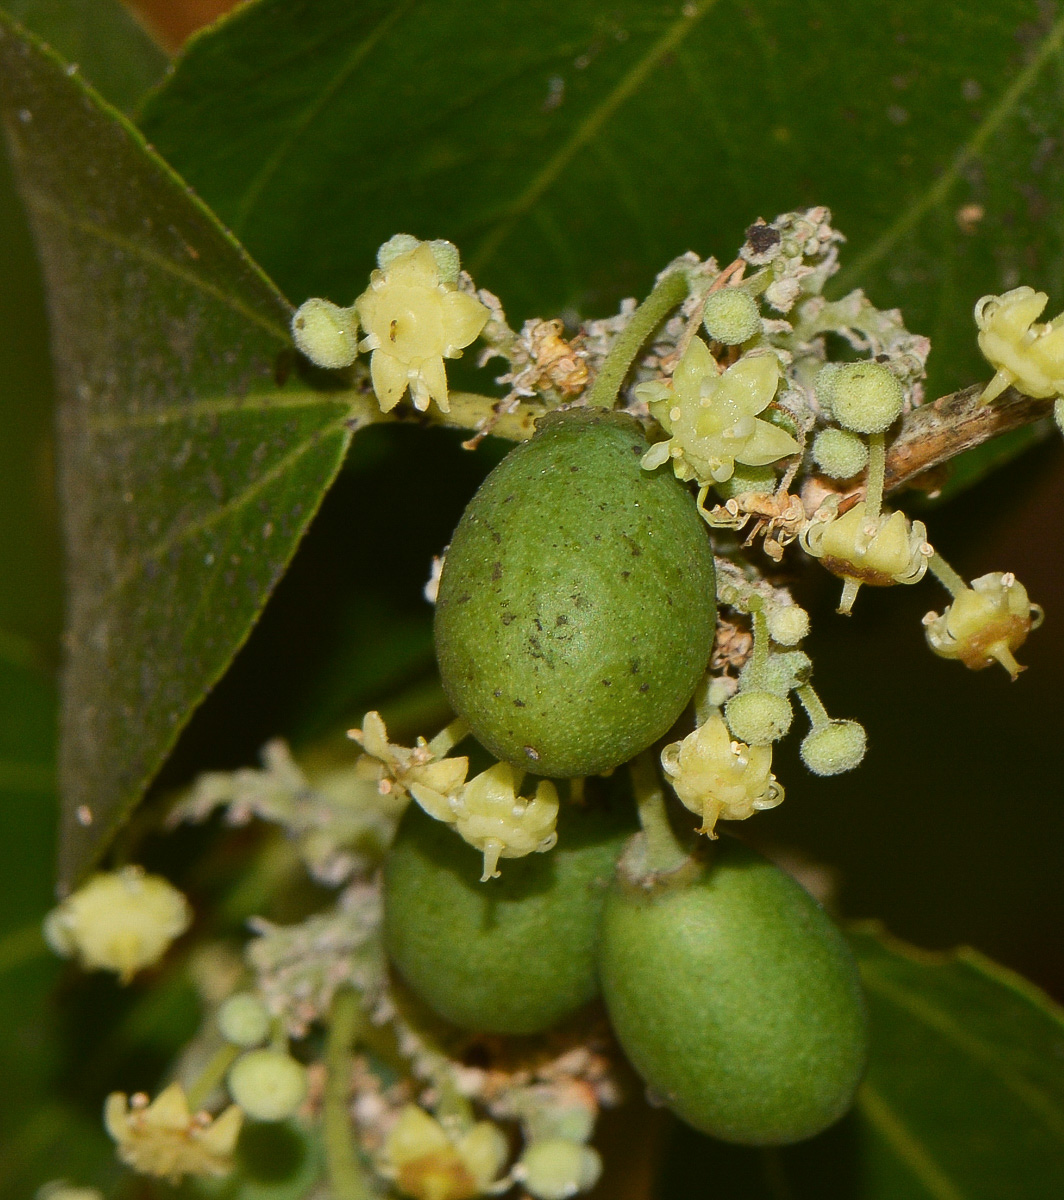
(269, 1085)
(448, 262)
(244, 1020)
(731, 316)
(866, 397)
(746, 479)
(778, 675)
(824, 385)
(736, 999)
(395, 247)
(788, 624)
(575, 612)
(839, 453)
(326, 333)
(515, 956)
(834, 748)
(558, 1168)
(758, 718)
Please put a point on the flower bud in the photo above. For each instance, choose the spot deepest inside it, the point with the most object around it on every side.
(326, 333)
(731, 316)
(788, 624)
(758, 718)
(243, 1020)
(557, 1168)
(834, 748)
(839, 453)
(866, 397)
(269, 1085)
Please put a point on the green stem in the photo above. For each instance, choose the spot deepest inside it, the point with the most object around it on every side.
(446, 740)
(212, 1075)
(759, 659)
(877, 467)
(946, 575)
(346, 1177)
(664, 851)
(668, 292)
(810, 701)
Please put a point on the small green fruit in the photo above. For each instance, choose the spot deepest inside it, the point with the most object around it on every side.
(736, 999)
(576, 609)
(514, 955)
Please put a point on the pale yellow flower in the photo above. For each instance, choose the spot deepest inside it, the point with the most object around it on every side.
(985, 623)
(712, 416)
(719, 778)
(413, 321)
(396, 768)
(164, 1138)
(1026, 356)
(428, 1164)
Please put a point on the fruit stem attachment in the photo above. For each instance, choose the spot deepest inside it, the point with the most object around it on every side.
(212, 1075)
(347, 1179)
(667, 293)
(664, 851)
(810, 701)
(946, 575)
(446, 740)
(877, 467)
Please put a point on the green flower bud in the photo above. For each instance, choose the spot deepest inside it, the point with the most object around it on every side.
(866, 397)
(778, 675)
(788, 624)
(447, 259)
(834, 748)
(746, 479)
(268, 1084)
(731, 316)
(326, 333)
(395, 247)
(839, 453)
(244, 1020)
(758, 718)
(558, 1168)
(824, 385)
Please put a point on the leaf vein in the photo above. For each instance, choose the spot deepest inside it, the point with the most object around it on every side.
(906, 1145)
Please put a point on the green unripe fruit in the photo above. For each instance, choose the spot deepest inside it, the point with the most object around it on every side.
(576, 611)
(866, 397)
(834, 748)
(731, 316)
(758, 718)
(515, 955)
(839, 453)
(736, 999)
(244, 1020)
(268, 1084)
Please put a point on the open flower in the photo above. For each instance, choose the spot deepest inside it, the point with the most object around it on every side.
(718, 778)
(1025, 355)
(164, 1138)
(427, 1164)
(396, 768)
(413, 320)
(712, 417)
(985, 623)
(490, 815)
(859, 548)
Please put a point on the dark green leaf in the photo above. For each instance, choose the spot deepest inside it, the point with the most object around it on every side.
(571, 150)
(188, 470)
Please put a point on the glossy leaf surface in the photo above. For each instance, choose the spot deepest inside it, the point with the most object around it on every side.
(188, 471)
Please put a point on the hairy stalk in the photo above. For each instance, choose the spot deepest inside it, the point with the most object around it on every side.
(669, 292)
(810, 701)
(946, 575)
(212, 1075)
(664, 851)
(877, 464)
(346, 1177)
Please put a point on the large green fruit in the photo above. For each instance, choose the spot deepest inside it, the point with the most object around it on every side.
(736, 999)
(576, 607)
(513, 955)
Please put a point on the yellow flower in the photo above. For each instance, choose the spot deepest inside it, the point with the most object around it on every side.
(860, 549)
(490, 816)
(1027, 356)
(712, 417)
(121, 921)
(718, 778)
(165, 1139)
(397, 768)
(427, 1164)
(413, 321)
(985, 623)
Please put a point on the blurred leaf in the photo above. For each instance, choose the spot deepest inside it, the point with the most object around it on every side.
(963, 1100)
(572, 150)
(189, 471)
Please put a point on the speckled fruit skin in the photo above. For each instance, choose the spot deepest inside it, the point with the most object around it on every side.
(737, 1000)
(514, 955)
(576, 608)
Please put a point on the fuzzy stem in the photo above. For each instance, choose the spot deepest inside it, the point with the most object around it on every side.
(668, 292)
(212, 1075)
(664, 851)
(946, 575)
(346, 1177)
(877, 465)
(810, 701)
(759, 659)
(446, 740)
